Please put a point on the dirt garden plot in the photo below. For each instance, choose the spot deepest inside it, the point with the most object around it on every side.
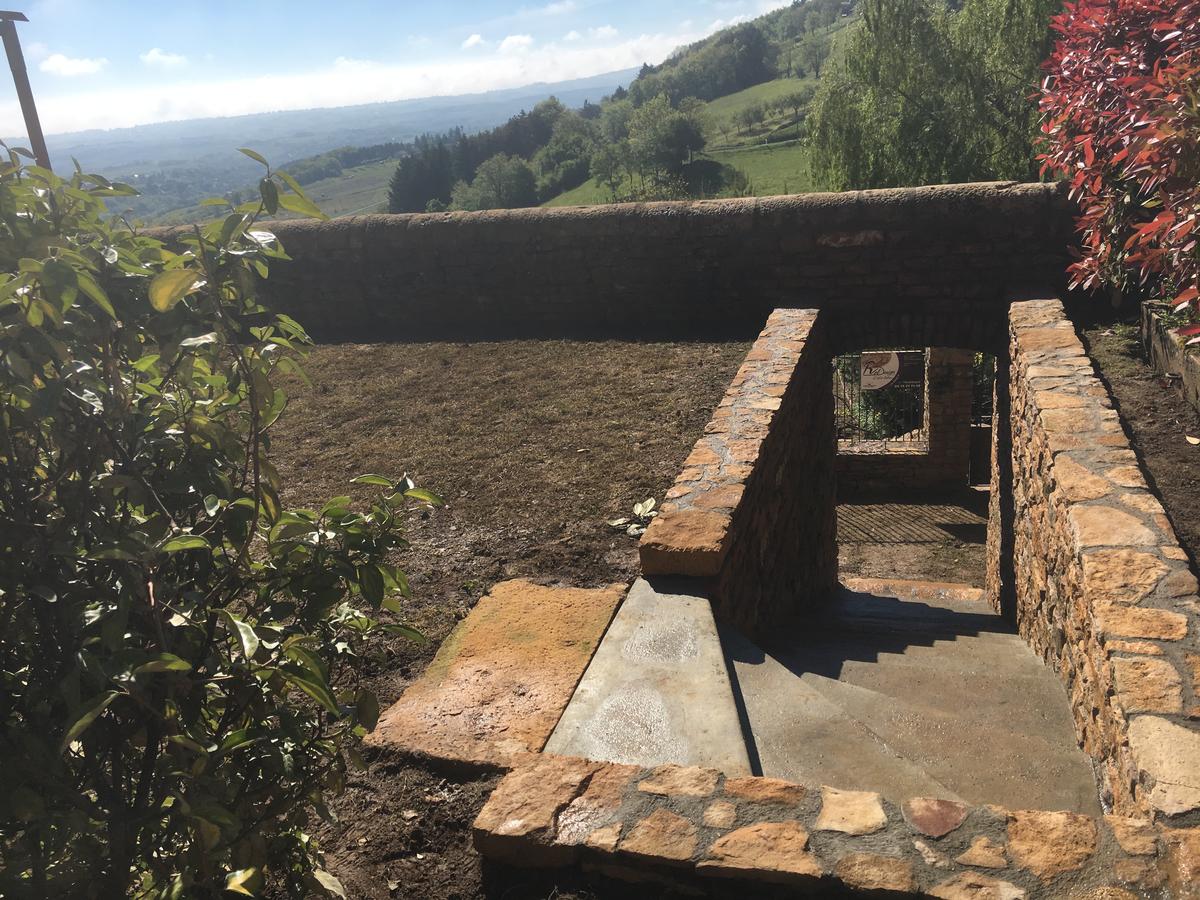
(534, 445)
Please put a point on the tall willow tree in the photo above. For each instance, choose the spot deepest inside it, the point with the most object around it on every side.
(927, 92)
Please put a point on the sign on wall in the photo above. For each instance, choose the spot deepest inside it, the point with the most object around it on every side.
(879, 370)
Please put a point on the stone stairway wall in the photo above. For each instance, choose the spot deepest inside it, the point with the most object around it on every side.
(1102, 588)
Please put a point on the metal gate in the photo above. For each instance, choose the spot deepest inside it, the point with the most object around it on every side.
(879, 397)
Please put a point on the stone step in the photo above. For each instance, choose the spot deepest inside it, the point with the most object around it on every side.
(931, 696)
(657, 690)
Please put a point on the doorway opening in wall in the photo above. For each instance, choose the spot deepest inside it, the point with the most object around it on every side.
(913, 430)
(879, 401)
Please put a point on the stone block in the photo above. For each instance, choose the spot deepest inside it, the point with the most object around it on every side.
(501, 680)
(774, 852)
(1050, 843)
(850, 812)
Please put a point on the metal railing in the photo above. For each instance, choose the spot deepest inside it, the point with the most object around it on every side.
(885, 407)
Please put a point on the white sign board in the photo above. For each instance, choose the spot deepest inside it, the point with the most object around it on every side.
(879, 370)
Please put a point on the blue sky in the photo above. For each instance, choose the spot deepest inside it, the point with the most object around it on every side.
(113, 63)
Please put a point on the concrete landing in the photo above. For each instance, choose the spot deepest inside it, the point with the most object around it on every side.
(933, 696)
(657, 690)
(500, 681)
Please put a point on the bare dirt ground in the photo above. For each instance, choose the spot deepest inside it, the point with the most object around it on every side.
(534, 446)
(1158, 421)
(920, 538)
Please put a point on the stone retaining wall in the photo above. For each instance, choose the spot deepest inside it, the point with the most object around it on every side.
(1168, 354)
(1101, 587)
(753, 508)
(934, 266)
(692, 828)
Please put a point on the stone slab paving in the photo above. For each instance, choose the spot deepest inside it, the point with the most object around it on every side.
(500, 681)
(694, 828)
(657, 690)
(926, 693)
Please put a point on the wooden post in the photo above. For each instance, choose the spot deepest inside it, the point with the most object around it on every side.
(16, 62)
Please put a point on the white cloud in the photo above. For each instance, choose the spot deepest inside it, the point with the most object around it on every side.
(341, 83)
(558, 9)
(156, 56)
(66, 66)
(37, 50)
(603, 33)
(475, 40)
(572, 35)
(419, 40)
(516, 43)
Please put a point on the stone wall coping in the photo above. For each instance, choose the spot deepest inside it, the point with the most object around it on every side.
(693, 531)
(1138, 599)
(683, 826)
(893, 203)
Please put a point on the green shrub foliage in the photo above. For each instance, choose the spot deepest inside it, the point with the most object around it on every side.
(181, 656)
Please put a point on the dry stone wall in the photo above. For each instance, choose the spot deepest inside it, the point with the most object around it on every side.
(1102, 589)
(929, 266)
(753, 508)
(692, 829)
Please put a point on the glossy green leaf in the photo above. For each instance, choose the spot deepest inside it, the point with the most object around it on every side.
(247, 638)
(301, 205)
(84, 717)
(257, 157)
(184, 542)
(168, 288)
(377, 480)
(166, 662)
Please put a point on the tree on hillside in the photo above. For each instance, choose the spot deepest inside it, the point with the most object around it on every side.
(663, 139)
(566, 159)
(614, 120)
(923, 95)
(798, 101)
(610, 165)
(813, 51)
(502, 182)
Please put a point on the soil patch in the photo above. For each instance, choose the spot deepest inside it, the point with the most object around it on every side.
(1158, 421)
(534, 445)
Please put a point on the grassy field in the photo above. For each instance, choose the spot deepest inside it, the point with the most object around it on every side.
(772, 168)
(723, 112)
(363, 189)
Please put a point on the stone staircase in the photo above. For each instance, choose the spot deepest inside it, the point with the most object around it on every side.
(903, 688)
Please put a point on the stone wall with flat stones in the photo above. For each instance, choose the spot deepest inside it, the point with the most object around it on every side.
(692, 829)
(933, 266)
(1102, 589)
(753, 509)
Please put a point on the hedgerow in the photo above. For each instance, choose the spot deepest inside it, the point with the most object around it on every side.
(181, 657)
(1121, 108)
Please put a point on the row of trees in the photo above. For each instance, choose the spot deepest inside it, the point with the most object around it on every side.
(540, 154)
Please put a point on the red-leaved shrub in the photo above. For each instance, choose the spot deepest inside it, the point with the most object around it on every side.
(1121, 122)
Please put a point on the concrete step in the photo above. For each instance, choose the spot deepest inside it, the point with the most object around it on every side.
(657, 690)
(930, 696)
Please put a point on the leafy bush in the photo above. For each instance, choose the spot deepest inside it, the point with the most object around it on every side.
(1122, 123)
(180, 656)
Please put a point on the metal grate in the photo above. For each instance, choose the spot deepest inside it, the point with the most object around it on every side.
(893, 414)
